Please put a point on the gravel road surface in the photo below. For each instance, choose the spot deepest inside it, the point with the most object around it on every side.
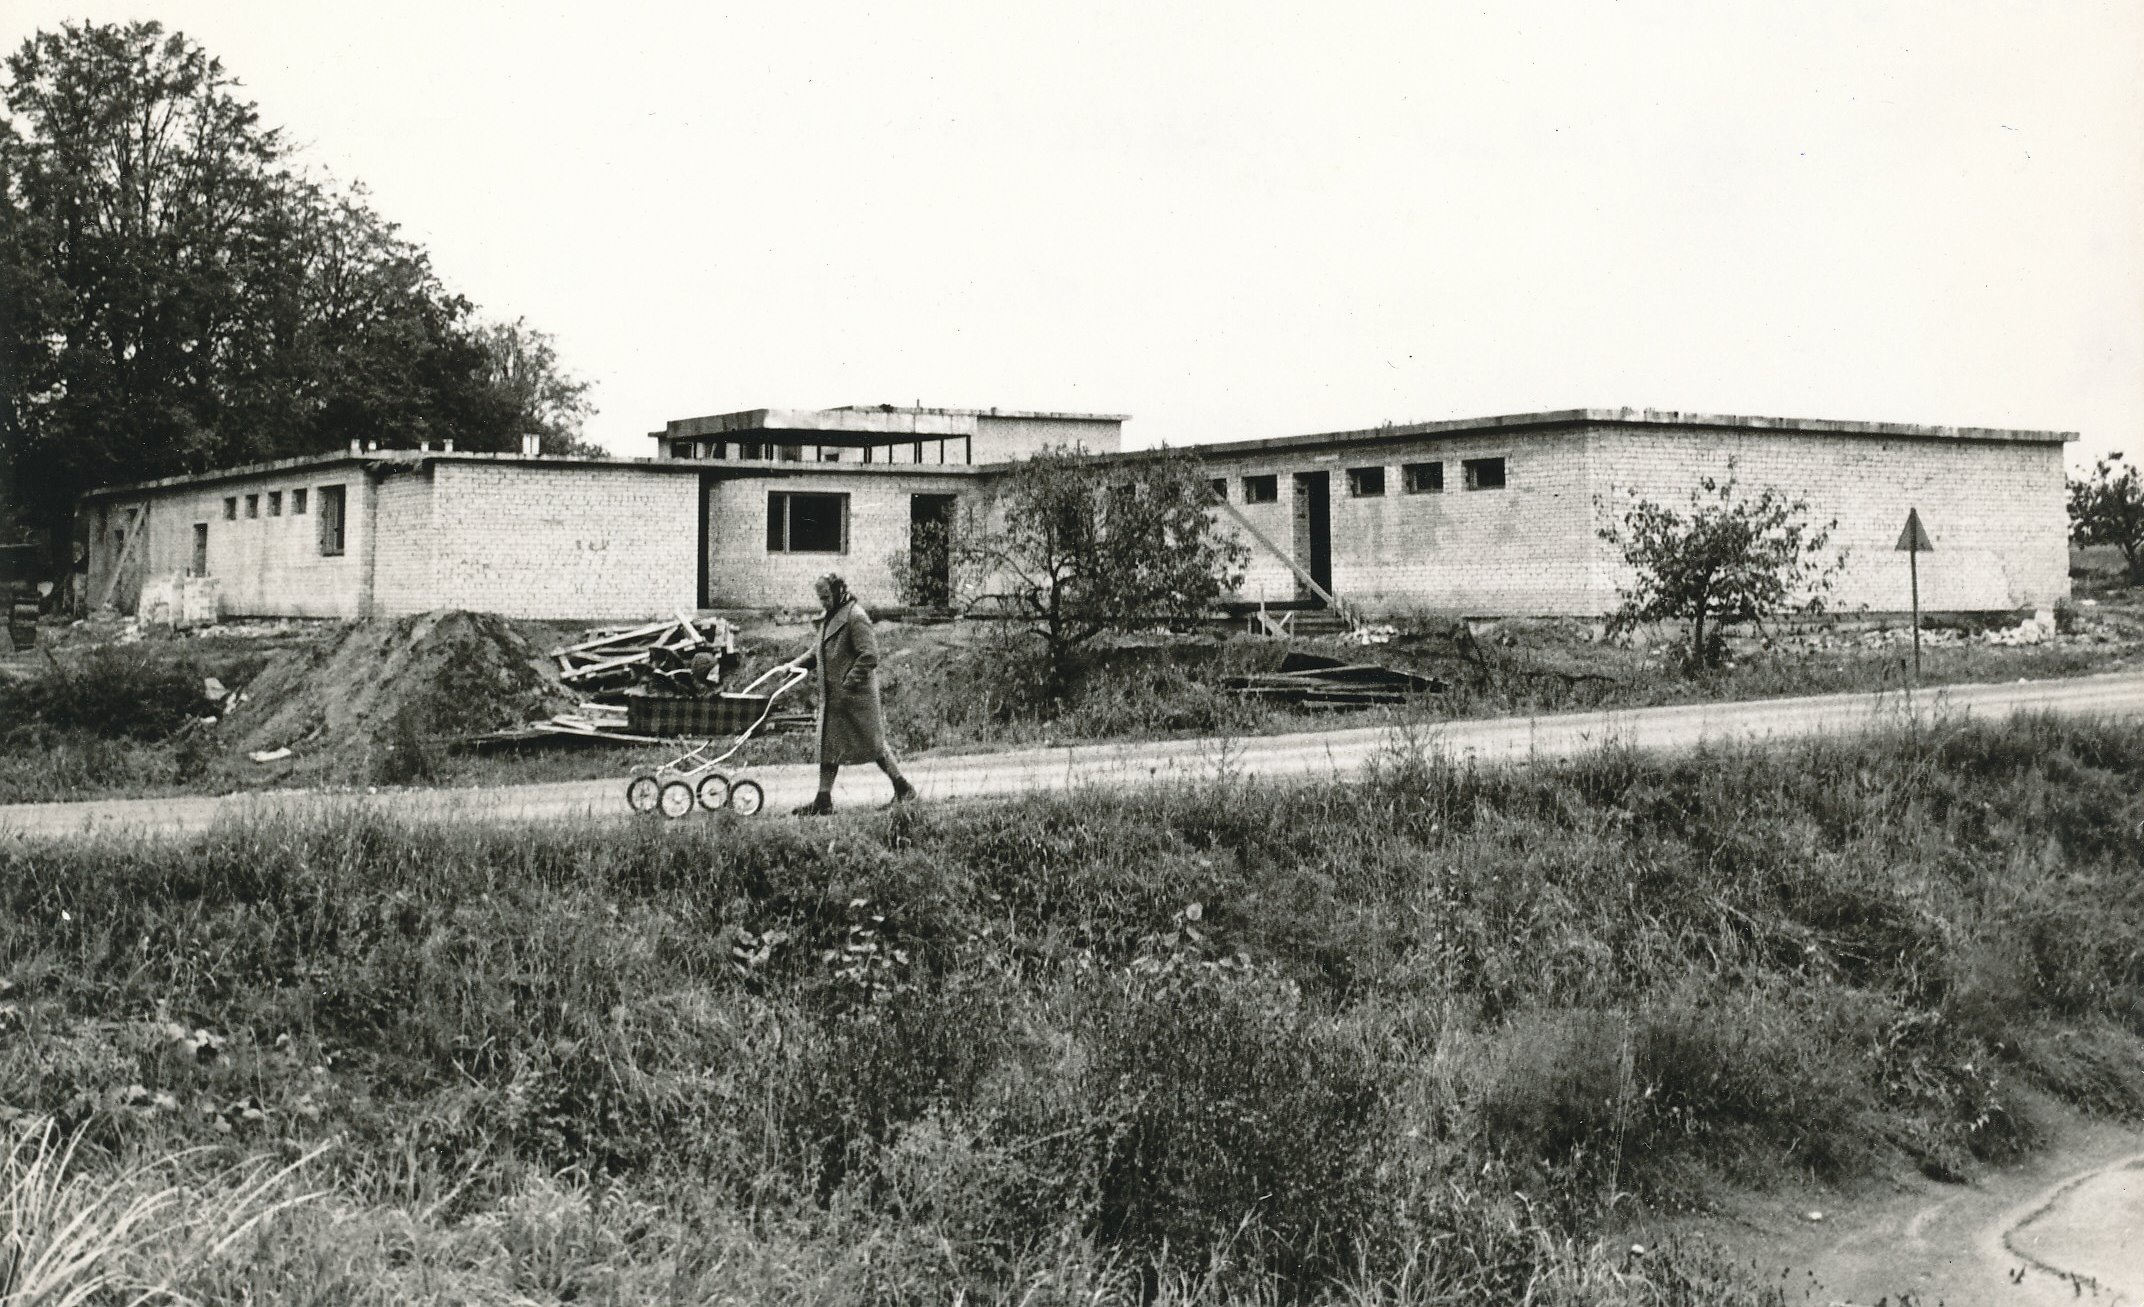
(1497, 741)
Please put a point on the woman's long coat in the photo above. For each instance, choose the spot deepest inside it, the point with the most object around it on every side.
(852, 727)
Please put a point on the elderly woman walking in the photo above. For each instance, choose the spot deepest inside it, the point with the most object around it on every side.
(851, 726)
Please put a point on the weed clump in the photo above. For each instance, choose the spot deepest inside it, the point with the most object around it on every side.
(118, 693)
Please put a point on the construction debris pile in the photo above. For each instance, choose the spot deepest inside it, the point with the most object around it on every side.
(683, 653)
(630, 672)
(1314, 681)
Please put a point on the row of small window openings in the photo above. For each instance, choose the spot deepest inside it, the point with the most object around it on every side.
(331, 518)
(275, 504)
(918, 451)
(1369, 482)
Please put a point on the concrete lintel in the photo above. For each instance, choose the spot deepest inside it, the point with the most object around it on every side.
(775, 423)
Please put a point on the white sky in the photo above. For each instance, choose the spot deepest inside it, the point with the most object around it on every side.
(1235, 220)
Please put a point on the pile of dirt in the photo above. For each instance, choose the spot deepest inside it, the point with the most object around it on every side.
(382, 700)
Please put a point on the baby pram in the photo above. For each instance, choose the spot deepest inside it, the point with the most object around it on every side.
(697, 776)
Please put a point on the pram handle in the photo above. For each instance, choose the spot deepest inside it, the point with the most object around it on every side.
(796, 675)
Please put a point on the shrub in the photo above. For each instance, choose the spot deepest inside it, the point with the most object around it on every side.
(113, 693)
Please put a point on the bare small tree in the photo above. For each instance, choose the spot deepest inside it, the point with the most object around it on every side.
(1076, 546)
(1731, 557)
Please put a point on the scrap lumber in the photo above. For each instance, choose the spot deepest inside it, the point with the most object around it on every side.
(1318, 682)
(621, 656)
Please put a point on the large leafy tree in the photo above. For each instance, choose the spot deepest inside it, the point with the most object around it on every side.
(543, 400)
(1076, 547)
(2107, 508)
(132, 174)
(175, 294)
(1730, 557)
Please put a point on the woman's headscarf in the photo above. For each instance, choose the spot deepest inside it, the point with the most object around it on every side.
(837, 591)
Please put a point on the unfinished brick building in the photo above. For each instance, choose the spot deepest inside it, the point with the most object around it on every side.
(741, 510)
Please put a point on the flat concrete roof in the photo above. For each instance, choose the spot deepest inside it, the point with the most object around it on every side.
(861, 420)
(410, 459)
(1642, 417)
(865, 419)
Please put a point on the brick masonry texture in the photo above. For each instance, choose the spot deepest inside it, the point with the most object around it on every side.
(616, 540)
(539, 540)
(1994, 508)
(267, 565)
(743, 573)
(1523, 549)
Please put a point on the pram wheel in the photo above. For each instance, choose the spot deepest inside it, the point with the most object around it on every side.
(641, 794)
(714, 790)
(675, 799)
(747, 798)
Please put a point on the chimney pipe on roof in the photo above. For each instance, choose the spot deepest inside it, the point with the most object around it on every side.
(446, 446)
(531, 445)
(357, 446)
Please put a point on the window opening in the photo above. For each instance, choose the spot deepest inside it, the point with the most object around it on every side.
(253, 505)
(1261, 490)
(1365, 482)
(275, 503)
(807, 524)
(1484, 473)
(230, 509)
(1424, 478)
(297, 501)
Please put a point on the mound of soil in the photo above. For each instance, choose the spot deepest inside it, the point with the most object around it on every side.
(382, 700)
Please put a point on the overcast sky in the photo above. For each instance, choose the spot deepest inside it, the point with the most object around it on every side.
(1235, 220)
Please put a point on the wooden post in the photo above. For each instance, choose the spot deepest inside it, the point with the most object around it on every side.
(1913, 568)
(1913, 540)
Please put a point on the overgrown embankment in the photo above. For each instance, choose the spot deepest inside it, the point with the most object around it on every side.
(372, 702)
(1444, 1036)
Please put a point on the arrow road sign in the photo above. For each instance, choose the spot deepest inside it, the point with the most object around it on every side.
(1914, 539)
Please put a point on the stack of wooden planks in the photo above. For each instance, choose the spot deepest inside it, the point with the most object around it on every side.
(618, 658)
(1319, 682)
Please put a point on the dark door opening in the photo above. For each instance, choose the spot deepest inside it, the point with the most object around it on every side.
(1314, 530)
(703, 585)
(200, 567)
(930, 561)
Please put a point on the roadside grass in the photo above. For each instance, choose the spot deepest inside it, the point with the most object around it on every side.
(1445, 1035)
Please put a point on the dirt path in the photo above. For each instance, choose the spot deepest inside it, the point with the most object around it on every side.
(1312, 754)
(2067, 1227)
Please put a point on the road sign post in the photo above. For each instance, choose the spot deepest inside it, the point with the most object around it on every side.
(1913, 540)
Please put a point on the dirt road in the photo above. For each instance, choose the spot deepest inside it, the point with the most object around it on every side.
(1311, 754)
(2060, 1228)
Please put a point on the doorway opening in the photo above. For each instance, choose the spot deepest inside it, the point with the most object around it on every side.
(930, 559)
(1314, 532)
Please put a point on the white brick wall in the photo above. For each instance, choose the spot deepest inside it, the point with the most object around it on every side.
(538, 539)
(1525, 548)
(601, 542)
(744, 573)
(268, 565)
(1995, 510)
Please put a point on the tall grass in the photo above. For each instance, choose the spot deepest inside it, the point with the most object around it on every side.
(137, 1235)
(1447, 1035)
